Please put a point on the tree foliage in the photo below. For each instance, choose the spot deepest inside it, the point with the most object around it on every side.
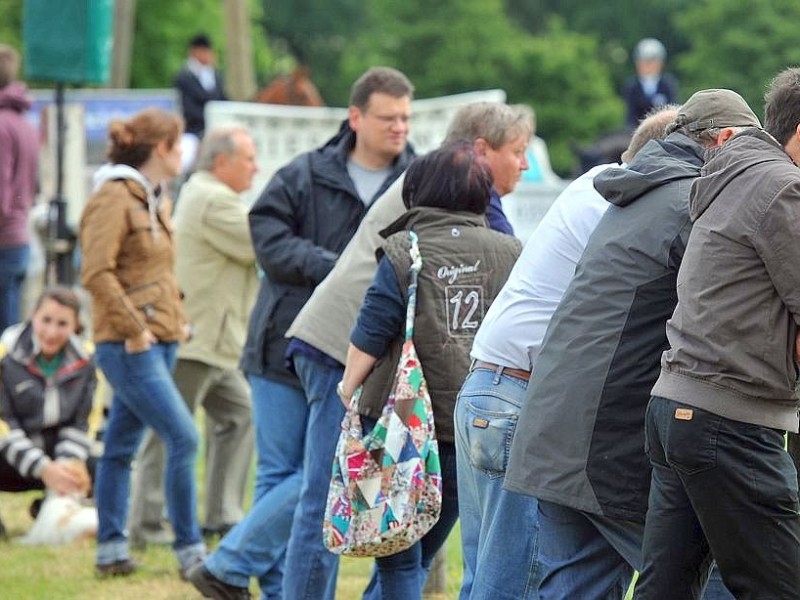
(617, 24)
(11, 23)
(163, 30)
(464, 45)
(739, 45)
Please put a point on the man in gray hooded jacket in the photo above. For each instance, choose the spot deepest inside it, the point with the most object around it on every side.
(579, 441)
(722, 482)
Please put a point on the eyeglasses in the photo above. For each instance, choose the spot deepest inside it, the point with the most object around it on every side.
(391, 119)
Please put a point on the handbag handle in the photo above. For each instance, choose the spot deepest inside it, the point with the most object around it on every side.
(411, 308)
(416, 267)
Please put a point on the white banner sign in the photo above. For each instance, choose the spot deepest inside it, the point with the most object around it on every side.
(283, 132)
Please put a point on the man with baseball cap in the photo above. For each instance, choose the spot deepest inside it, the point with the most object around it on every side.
(722, 483)
(579, 446)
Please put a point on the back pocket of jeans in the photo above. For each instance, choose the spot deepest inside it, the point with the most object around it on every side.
(691, 444)
(489, 434)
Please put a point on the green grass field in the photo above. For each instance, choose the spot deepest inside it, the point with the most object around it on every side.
(67, 572)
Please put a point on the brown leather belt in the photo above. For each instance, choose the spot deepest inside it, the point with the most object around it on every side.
(518, 373)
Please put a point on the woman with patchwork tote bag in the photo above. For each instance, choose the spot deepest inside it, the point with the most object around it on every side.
(463, 266)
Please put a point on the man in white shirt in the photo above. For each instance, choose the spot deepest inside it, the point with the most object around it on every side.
(504, 352)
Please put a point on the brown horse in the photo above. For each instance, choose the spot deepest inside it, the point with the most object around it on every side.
(296, 89)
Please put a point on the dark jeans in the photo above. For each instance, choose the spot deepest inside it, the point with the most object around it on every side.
(13, 267)
(403, 575)
(723, 487)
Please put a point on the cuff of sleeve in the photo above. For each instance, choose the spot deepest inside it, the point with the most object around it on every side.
(364, 343)
(36, 472)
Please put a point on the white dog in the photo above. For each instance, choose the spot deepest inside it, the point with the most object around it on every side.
(61, 520)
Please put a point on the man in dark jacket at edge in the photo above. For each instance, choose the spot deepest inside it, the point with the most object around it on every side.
(722, 483)
(579, 442)
(300, 224)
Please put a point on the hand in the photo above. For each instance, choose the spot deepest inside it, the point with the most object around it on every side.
(141, 343)
(343, 395)
(188, 332)
(64, 478)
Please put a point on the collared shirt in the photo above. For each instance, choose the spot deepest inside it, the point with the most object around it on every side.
(204, 73)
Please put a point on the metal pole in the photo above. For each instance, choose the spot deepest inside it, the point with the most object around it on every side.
(58, 269)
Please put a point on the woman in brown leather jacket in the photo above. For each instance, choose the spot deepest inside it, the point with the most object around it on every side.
(128, 267)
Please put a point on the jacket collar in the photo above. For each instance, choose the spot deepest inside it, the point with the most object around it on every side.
(429, 216)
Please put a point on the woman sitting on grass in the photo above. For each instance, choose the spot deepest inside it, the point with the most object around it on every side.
(46, 400)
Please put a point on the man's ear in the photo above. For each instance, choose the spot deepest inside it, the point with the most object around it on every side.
(354, 117)
(724, 135)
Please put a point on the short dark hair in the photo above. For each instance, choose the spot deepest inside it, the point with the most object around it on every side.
(454, 177)
(782, 105)
(201, 40)
(382, 80)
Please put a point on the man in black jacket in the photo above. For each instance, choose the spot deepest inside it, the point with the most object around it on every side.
(197, 83)
(300, 224)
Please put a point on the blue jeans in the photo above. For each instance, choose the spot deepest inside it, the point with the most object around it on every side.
(403, 575)
(311, 570)
(256, 546)
(499, 529)
(585, 556)
(13, 268)
(718, 487)
(145, 396)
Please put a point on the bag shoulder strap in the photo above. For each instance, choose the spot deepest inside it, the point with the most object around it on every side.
(416, 267)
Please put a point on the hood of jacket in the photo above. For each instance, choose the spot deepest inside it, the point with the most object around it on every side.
(110, 172)
(657, 163)
(22, 345)
(727, 162)
(15, 97)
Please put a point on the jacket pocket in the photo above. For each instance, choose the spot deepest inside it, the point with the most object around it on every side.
(231, 335)
(146, 299)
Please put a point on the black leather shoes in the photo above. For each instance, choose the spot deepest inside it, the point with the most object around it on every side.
(211, 587)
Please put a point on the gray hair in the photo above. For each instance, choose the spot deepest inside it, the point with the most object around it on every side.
(220, 141)
(705, 137)
(494, 122)
(9, 65)
(652, 127)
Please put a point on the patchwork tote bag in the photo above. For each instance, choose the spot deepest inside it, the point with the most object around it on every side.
(386, 485)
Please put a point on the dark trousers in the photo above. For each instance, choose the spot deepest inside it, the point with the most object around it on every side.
(12, 481)
(723, 487)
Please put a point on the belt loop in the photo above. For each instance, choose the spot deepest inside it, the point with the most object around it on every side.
(497, 372)
(472, 364)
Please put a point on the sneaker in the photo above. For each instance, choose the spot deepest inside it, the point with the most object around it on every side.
(120, 568)
(211, 587)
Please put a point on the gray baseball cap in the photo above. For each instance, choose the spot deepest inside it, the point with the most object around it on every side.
(707, 109)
